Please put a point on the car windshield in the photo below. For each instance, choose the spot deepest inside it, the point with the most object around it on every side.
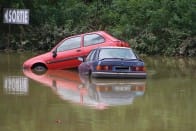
(120, 53)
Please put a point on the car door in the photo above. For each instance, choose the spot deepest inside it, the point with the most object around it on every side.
(86, 67)
(67, 53)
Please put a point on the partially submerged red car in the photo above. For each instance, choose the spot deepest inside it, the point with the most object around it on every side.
(65, 54)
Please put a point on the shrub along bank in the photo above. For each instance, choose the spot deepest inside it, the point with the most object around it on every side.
(152, 27)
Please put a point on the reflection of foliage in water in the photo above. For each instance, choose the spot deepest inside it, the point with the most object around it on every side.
(171, 66)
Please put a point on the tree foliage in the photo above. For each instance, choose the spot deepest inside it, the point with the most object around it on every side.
(164, 27)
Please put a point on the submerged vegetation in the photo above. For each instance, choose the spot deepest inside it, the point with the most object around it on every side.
(152, 27)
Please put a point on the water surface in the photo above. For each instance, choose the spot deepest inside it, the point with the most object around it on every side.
(64, 100)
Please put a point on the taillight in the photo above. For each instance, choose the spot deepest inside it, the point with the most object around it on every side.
(127, 45)
(118, 44)
(122, 44)
(103, 67)
(138, 88)
(103, 88)
(138, 68)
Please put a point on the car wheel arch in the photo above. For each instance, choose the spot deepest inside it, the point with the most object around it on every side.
(39, 64)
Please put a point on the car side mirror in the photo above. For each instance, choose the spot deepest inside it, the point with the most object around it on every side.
(54, 53)
(81, 59)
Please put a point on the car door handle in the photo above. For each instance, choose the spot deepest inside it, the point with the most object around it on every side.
(78, 50)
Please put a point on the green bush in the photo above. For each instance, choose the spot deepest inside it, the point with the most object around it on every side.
(151, 27)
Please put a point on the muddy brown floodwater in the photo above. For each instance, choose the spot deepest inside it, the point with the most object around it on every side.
(65, 101)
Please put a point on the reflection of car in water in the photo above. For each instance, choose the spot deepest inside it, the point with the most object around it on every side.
(64, 83)
(113, 92)
(98, 93)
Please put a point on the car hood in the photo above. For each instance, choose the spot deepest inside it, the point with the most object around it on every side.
(39, 58)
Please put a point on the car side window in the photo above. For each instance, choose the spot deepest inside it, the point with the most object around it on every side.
(91, 55)
(92, 39)
(69, 44)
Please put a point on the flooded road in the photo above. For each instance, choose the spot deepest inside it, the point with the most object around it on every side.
(65, 101)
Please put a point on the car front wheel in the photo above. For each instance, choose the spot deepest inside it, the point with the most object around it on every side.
(39, 68)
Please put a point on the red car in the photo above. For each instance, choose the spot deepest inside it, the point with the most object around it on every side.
(65, 54)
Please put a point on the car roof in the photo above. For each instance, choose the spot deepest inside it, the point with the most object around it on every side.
(98, 32)
(113, 47)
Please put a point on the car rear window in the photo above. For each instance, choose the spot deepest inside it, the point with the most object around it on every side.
(117, 53)
(92, 39)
